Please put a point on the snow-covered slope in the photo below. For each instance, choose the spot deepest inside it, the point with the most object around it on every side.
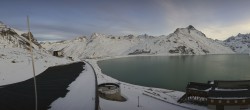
(10, 38)
(182, 41)
(15, 60)
(239, 43)
(69, 47)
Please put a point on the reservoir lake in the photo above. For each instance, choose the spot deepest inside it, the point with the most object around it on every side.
(174, 72)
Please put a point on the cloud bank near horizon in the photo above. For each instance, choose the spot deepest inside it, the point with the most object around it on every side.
(64, 19)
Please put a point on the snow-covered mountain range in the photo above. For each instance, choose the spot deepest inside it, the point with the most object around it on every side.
(183, 41)
(15, 60)
(239, 43)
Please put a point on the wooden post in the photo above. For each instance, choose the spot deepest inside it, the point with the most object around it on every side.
(33, 65)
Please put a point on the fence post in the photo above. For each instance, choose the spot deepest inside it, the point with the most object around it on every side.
(138, 102)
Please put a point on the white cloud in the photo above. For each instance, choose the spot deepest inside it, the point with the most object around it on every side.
(49, 37)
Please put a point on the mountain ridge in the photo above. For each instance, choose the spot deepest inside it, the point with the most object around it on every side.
(182, 41)
(239, 43)
(11, 38)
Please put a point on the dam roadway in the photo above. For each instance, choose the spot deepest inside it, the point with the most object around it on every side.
(55, 87)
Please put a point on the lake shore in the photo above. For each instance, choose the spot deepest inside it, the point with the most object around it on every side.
(132, 92)
(180, 70)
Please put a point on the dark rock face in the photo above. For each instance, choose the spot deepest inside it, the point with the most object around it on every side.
(229, 39)
(11, 36)
(129, 36)
(137, 51)
(191, 27)
(205, 51)
(26, 35)
(182, 50)
(177, 30)
(8, 31)
(174, 51)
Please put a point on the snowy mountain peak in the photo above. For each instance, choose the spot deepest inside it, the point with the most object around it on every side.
(96, 35)
(145, 36)
(81, 38)
(191, 27)
(9, 37)
(182, 41)
(177, 31)
(2, 25)
(243, 35)
(239, 43)
(189, 31)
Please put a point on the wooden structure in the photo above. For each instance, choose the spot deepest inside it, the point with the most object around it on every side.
(229, 95)
(58, 53)
(196, 93)
(240, 84)
(219, 94)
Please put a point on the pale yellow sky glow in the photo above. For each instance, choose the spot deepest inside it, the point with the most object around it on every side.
(223, 32)
(216, 19)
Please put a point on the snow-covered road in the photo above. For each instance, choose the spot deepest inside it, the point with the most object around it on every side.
(81, 95)
(51, 84)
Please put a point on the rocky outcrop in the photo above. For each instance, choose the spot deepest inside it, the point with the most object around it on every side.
(182, 50)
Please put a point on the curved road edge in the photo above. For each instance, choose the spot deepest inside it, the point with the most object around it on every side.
(96, 85)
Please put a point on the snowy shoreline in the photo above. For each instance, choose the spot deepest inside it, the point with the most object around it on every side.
(163, 98)
(152, 55)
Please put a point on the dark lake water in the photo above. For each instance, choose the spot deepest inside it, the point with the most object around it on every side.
(174, 72)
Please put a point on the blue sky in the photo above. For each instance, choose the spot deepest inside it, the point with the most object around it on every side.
(66, 19)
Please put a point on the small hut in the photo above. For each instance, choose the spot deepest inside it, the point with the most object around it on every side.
(58, 53)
